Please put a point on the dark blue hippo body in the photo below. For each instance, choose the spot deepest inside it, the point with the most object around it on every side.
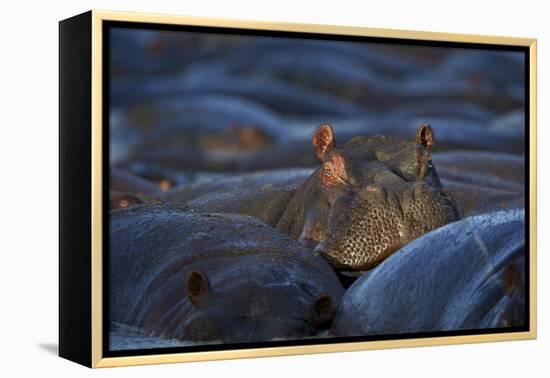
(238, 184)
(483, 182)
(214, 278)
(466, 275)
(194, 132)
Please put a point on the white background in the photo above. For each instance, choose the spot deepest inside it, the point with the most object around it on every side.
(29, 187)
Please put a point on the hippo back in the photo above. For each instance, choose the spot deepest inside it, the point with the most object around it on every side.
(261, 284)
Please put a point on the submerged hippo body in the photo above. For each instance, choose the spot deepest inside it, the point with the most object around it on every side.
(249, 182)
(483, 181)
(215, 278)
(466, 275)
(370, 196)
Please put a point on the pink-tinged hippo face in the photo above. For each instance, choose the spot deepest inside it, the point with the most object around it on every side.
(371, 196)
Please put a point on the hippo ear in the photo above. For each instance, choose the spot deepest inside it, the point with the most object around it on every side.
(323, 311)
(323, 141)
(197, 287)
(334, 171)
(425, 136)
(123, 200)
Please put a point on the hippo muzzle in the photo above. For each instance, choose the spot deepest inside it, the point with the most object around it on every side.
(363, 230)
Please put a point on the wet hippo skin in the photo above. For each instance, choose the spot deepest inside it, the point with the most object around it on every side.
(466, 275)
(215, 278)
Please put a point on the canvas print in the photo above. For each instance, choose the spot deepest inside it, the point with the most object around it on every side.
(270, 188)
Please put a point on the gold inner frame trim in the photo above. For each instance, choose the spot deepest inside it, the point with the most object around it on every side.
(97, 178)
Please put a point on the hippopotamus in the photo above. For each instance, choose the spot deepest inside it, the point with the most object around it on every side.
(369, 197)
(462, 276)
(207, 277)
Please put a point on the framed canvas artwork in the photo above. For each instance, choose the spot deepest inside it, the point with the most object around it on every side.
(234, 189)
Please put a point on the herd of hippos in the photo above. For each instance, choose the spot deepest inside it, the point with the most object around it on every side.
(226, 226)
(384, 237)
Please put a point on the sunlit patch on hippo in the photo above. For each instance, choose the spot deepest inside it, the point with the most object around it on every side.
(371, 196)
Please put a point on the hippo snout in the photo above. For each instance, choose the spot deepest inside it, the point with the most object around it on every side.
(381, 220)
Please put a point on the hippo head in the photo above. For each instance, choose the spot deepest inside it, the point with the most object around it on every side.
(250, 312)
(371, 196)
